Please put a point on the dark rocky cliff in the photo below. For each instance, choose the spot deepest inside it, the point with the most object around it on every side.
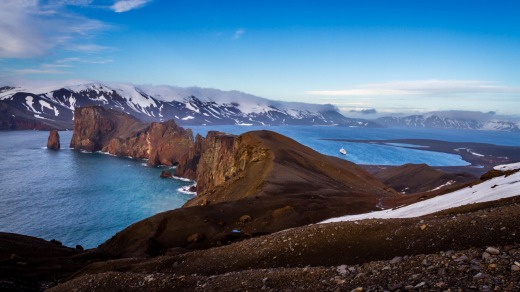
(99, 129)
(259, 182)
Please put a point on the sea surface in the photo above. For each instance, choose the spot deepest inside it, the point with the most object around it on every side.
(85, 198)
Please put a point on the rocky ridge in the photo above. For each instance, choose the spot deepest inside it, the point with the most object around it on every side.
(418, 178)
(470, 247)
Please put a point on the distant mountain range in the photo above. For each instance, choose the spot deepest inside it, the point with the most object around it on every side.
(52, 106)
(436, 121)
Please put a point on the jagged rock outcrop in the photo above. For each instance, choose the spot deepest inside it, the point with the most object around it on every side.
(261, 174)
(95, 127)
(53, 142)
(99, 129)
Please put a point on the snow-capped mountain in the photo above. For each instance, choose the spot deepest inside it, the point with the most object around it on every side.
(436, 121)
(53, 106)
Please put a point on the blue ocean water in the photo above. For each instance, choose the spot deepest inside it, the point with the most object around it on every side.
(85, 198)
(75, 197)
(363, 153)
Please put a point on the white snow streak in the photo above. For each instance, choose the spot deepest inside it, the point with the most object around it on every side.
(510, 166)
(490, 190)
(30, 102)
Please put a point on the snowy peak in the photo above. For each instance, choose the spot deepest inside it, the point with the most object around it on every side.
(439, 121)
(188, 106)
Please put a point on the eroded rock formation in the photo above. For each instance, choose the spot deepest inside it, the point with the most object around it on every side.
(53, 142)
(275, 181)
(99, 129)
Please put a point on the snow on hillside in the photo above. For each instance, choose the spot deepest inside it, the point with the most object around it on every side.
(246, 103)
(490, 190)
(510, 166)
(139, 95)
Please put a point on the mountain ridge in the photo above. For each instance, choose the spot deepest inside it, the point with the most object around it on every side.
(188, 106)
(51, 106)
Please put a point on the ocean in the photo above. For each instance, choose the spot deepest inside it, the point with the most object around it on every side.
(85, 198)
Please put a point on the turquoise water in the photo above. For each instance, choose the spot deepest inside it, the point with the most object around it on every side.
(363, 153)
(85, 198)
(75, 197)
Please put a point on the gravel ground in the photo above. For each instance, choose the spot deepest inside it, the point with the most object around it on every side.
(474, 247)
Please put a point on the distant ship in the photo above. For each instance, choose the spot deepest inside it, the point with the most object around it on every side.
(343, 151)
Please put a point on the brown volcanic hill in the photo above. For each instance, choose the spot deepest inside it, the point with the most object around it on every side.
(262, 182)
(265, 163)
(461, 248)
(418, 178)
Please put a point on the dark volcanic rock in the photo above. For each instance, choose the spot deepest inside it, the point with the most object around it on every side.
(166, 174)
(54, 140)
(449, 255)
(417, 178)
(256, 173)
(33, 264)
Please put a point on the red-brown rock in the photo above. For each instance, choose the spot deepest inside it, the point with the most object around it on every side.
(166, 174)
(53, 142)
(99, 129)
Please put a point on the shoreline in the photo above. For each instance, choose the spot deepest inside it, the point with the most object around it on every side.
(481, 156)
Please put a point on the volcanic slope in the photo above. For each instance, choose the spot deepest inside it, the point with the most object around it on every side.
(266, 183)
(417, 178)
(468, 247)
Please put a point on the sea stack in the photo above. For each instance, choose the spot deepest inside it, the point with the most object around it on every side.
(54, 140)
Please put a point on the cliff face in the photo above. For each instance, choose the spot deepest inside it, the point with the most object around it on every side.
(226, 160)
(259, 182)
(99, 129)
(95, 127)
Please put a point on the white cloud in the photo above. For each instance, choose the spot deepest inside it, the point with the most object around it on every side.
(32, 71)
(127, 5)
(239, 33)
(422, 88)
(87, 48)
(29, 28)
(71, 2)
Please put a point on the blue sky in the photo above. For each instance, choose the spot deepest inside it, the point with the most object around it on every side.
(391, 56)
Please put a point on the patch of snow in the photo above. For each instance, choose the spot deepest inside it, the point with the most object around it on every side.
(191, 107)
(43, 104)
(490, 190)
(187, 118)
(29, 101)
(476, 154)
(511, 166)
(449, 183)
(40, 117)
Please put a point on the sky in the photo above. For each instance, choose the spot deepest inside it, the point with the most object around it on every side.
(366, 57)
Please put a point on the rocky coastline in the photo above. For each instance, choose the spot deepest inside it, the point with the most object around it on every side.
(254, 222)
